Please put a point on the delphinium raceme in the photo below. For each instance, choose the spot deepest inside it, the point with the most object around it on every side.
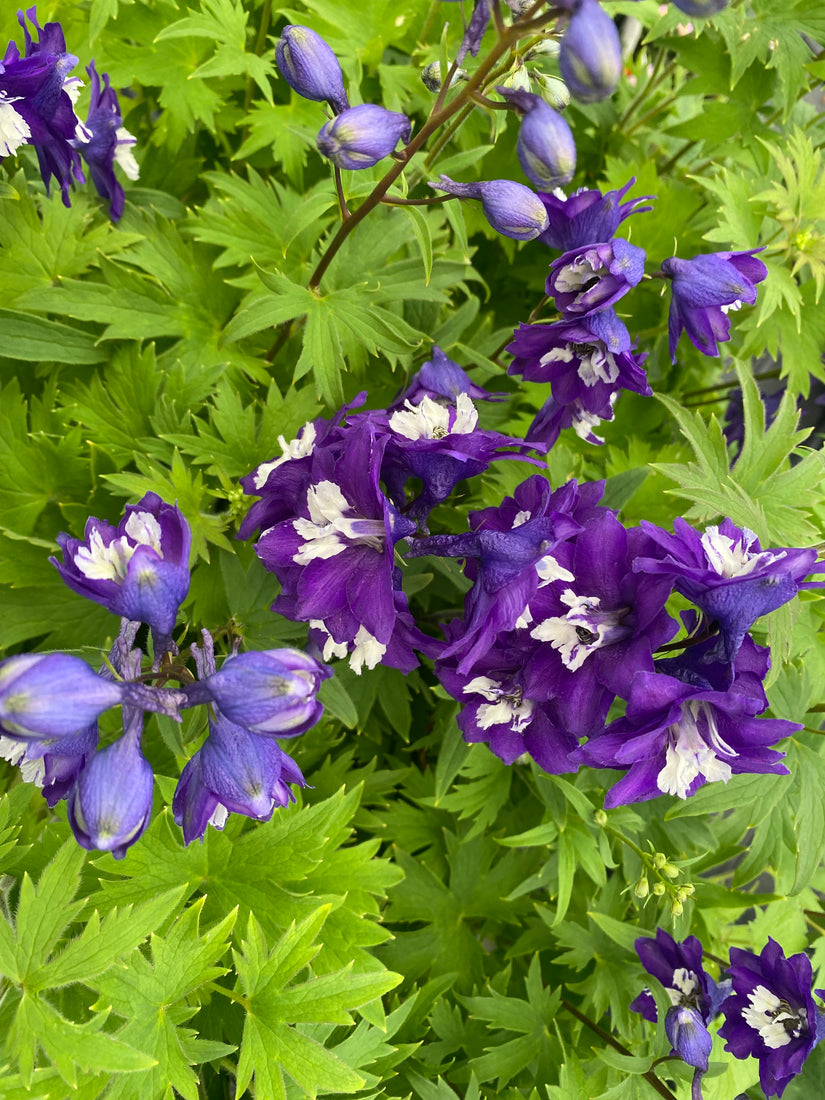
(50, 703)
(37, 107)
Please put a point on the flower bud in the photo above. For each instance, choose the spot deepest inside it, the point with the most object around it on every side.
(52, 695)
(659, 860)
(688, 1036)
(511, 208)
(658, 889)
(310, 67)
(431, 76)
(361, 136)
(554, 92)
(700, 8)
(269, 692)
(111, 802)
(600, 817)
(590, 58)
(641, 889)
(670, 870)
(677, 908)
(546, 149)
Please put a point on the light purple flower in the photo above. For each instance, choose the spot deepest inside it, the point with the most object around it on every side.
(442, 379)
(511, 208)
(310, 68)
(771, 1014)
(704, 289)
(139, 569)
(727, 574)
(361, 136)
(591, 278)
(45, 696)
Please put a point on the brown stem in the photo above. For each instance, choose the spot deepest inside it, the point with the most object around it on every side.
(649, 1076)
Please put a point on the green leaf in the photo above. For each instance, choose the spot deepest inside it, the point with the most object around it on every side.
(423, 236)
(35, 339)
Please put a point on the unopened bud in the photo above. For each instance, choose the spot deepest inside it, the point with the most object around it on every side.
(600, 817)
(511, 208)
(688, 889)
(670, 870)
(677, 908)
(310, 68)
(548, 47)
(641, 889)
(553, 91)
(700, 8)
(361, 136)
(659, 860)
(431, 76)
(546, 149)
(658, 889)
(591, 53)
(518, 80)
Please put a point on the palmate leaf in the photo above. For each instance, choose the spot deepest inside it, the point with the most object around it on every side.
(271, 1044)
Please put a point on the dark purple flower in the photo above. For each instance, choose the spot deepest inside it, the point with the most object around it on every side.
(441, 378)
(107, 143)
(53, 764)
(584, 280)
(511, 208)
(334, 558)
(725, 572)
(36, 103)
(274, 691)
(45, 696)
(587, 216)
(139, 569)
(552, 418)
(590, 58)
(509, 555)
(677, 736)
(310, 68)
(361, 136)
(771, 1014)
(474, 32)
(441, 445)
(678, 966)
(704, 289)
(546, 149)
(110, 804)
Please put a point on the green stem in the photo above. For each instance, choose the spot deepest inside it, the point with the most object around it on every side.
(661, 106)
(606, 1037)
(434, 201)
(641, 95)
(339, 190)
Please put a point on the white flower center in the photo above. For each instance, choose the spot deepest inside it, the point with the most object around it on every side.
(774, 1019)
(331, 647)
(368, 651)
(14, 130)
(732, 557)
(579, 276)
(109, 563)
(296, 448)
(584, 422)
(431, 420)
(685, 985)
(504, 707)
(549, 570)
(327, 528)
(584, 629)
(219, 816)
(688, 753)
(598, 366)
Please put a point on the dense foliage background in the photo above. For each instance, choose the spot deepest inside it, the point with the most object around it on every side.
(426, 921)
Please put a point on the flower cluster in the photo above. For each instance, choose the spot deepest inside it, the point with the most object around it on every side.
(37, 100)
(766, 1000)
(50, 703)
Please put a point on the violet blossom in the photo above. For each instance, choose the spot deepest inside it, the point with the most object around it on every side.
(107, 142)
(590, 278)
(587, 216)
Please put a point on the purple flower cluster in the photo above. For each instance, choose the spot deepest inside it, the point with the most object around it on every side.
(335, 504)
(37, 97)
(50, 703)
(766, 1000)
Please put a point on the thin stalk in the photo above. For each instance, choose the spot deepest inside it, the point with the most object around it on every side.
(606, 1037)
(666, 167)
(640, 96)
(498, 18)
(339, 190)
(661, 106)
(434, 201)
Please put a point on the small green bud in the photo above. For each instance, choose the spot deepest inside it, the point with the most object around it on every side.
(658, 889)
(641, 889)
(677, 909)
(670, 870)
(659, 860)
(600, 817)
(688, 889)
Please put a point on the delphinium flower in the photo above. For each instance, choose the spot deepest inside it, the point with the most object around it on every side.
(590, 57)
(108, 143)
(696, 999)
(511, 208)
(237, 770)
(334, 556)
(509, 554)
(361, 136)
(590, 278)
(727, 574)
(474, 32)
(587, 215)
(771, 1014)
(704, 289)
(139, 569)
(441, 379)
(545, 148)
(310, 67)
(679, 733)
(586, 360)
(54, 763)
(440, 444)
(36, 103)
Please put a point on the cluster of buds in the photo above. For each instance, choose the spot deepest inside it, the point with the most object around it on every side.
(50, 703)
(663, 872)
(37, 97)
